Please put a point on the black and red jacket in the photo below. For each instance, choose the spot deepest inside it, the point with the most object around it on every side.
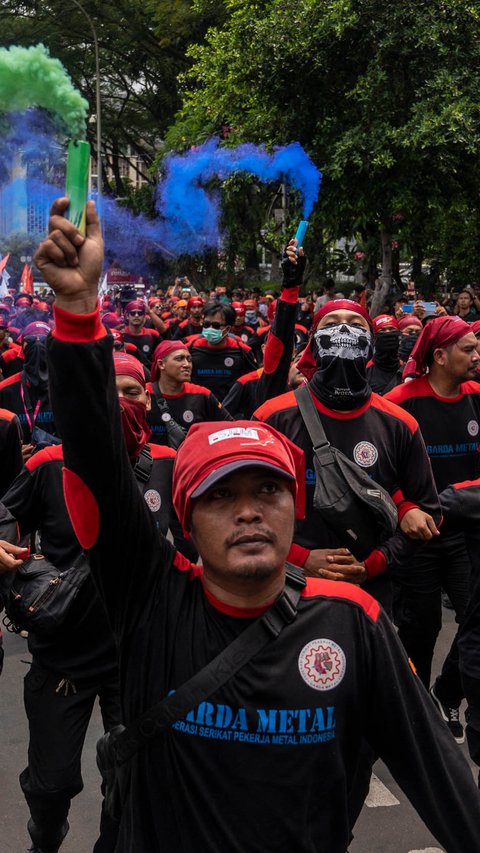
(11, 360)
(450, 427)
(300, 710)
(11, 398)
(382, 439)
(11, 459)
(218, 367)
(84, 648)
(460, 504)
(193, 405)
(145, 344)
(185, 329)
(243, 332)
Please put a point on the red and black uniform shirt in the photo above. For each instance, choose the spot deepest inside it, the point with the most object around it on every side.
(379, 437)
(11, 459)
(84, 647)
(186, 329)
(193, 405)
(11, 398)
(450, 427)
(460, 503)
(300, 709)
(11, 360)
(145, 344)
(241, 400)
(218, 367)
(243, 332)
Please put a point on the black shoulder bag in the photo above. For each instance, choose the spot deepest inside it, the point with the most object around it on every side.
(40, 595)
(116, 748)
(175, 433)
(349, 501)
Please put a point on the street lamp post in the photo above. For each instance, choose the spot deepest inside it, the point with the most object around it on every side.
(99, 116)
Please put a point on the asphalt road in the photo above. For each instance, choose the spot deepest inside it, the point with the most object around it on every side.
(388, 824)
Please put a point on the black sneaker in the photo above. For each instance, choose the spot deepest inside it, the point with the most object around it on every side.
(451, 717)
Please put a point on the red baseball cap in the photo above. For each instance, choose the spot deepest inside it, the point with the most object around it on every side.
(195, 301)
(382, 320)
(208, 454)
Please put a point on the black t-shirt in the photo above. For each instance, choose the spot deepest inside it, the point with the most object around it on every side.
(11, 399)
(267, 762)
(83, 649)
(145, 344)
(218, 367)
(380, 437)
(450, 427)
(194, 405)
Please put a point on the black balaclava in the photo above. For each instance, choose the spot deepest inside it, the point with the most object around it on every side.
(35, 362)
(407, 343)
(386, 351)
(341, 353)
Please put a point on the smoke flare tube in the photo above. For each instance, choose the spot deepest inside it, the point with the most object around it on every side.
(78, 159)
(301, 232)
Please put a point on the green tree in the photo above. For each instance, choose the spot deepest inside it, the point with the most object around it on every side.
(384, 97)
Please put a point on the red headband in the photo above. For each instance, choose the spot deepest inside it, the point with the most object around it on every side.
(438, 333)
(213, 450)
(128, 365)
(135, 305)
(164, 349)
(410, 321)
(384, 320)
(307, 364)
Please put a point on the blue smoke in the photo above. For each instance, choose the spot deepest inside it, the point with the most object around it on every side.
(191, 214)
(32, 175)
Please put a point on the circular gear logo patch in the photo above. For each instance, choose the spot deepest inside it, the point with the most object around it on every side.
(322, 664)
(365, 454)
(153, 500)
(472, 428)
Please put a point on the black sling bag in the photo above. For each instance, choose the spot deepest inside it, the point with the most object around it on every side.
(175, 433)
(360, 510)
(116, 748)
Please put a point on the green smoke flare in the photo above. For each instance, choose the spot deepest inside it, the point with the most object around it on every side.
(30, 77)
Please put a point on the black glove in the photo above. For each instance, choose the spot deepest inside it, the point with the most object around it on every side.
(293, 273)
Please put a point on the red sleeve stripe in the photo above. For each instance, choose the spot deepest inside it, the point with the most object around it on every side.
(395, 411)
(78, 328)
(161, 451)
(290, 294)
(405, 507)
(6, 415)
(277, 404)
(348, 592)
(376, 563)
(467, 484)
(10, 381)
(298, 555)
(48, 454)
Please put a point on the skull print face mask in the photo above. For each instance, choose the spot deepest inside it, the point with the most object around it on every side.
(341, 353)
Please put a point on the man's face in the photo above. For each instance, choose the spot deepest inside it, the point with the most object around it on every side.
(239, 319)
(386, 330)
(196, 313)
(181, 312)
(243, 526)
(177, 366)
(136, 318)
(131, 389)
(3, 331)
(407, 330)
(460, 360)
(464, 301)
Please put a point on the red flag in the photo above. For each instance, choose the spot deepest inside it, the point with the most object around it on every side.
(3, 263)
(27, 280)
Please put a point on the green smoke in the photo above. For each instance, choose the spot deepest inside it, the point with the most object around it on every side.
(30, 77)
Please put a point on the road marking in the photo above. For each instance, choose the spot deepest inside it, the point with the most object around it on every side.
(379, 795)
(428, 850)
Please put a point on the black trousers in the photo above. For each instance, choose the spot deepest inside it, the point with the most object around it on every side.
(443, 563)
(58, 723)
(471, 688)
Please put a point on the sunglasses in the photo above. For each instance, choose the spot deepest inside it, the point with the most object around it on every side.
(137, 313)
(213, 325)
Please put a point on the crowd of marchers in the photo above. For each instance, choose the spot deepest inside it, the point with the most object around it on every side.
(157, 448)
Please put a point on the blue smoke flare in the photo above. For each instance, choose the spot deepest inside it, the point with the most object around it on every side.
(192, 214)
